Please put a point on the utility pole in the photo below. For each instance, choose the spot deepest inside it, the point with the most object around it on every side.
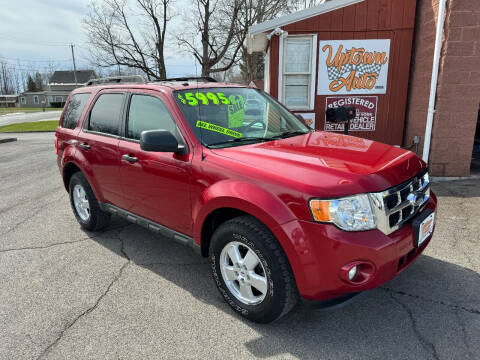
(74, 67)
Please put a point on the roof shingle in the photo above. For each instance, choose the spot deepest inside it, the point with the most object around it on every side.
(67, 77)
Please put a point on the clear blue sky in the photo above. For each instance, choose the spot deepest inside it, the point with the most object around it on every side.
(38, 32)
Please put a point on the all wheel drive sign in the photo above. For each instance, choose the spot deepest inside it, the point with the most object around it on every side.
(353, 66)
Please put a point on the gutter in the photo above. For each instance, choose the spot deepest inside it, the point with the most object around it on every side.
(433, 84)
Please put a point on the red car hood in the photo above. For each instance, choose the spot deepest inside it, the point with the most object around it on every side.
(330, 164)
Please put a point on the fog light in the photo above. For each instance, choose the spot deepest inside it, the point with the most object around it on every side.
(357, 272)
(352, 272)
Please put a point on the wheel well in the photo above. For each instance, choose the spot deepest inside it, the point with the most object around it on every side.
(212, 222)
(68, 171)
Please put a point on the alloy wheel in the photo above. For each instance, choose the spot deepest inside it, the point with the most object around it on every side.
(243, 273)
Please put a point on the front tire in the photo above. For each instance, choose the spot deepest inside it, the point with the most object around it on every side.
(251, 270)
(85, 205)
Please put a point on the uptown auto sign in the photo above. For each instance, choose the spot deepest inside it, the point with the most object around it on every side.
(353, 66)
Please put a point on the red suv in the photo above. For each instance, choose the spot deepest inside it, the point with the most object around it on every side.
(283, 212)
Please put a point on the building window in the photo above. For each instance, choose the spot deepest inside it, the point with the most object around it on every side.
(58, 99)
(35, 99)
(299, 60)
(23, 100)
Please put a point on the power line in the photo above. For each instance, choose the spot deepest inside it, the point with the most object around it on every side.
(30, 60)
(41, 43)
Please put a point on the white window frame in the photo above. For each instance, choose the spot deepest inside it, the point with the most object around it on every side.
(23, 101)
(36, 100)
(311, 73)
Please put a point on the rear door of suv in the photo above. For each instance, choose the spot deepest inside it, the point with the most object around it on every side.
(156, 184)
(68, 127)
(98, 145)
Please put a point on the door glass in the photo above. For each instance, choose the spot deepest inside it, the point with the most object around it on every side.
(105, 115)
(74, 110)
(149, 113)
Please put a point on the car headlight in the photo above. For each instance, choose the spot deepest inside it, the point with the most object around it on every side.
(353, 213)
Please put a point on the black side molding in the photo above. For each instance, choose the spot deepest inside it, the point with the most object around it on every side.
(152, 226)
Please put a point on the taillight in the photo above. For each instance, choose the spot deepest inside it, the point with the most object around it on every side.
(56, 143)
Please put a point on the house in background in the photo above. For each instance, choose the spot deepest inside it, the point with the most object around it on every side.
(32, 99)
(9, 100)
(59, 86)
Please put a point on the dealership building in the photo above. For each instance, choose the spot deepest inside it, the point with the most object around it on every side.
(411, 68)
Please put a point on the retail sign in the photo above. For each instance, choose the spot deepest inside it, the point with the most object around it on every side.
(309, 119)
(353, 66)
(366, 117)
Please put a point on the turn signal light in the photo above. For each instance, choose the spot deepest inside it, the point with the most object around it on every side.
(320, 210)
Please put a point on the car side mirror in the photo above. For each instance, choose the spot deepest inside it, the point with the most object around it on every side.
(160, 141)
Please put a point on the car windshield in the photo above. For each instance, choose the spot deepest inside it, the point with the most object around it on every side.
(231, 116)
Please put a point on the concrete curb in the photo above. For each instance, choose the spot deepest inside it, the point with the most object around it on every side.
(6, 140)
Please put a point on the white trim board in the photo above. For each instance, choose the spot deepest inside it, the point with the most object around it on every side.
(314, 72)
(280, 66)
(301, 15)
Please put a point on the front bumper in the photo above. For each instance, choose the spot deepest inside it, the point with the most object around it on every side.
(321, 250)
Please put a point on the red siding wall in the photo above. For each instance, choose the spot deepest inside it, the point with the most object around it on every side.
(371, 19)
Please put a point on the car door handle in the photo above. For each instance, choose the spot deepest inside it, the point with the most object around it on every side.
(130, 159)
(84, 146)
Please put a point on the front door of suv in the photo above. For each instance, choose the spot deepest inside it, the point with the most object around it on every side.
(156, 185)
(98, 146)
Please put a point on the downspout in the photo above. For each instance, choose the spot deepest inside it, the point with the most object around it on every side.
(433, 84)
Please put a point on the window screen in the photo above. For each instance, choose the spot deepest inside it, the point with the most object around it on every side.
(149, 113)
(297, 72)
(105, 115)
(74, 110)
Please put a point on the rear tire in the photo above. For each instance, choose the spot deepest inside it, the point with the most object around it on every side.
(85, 205)
(251, 270)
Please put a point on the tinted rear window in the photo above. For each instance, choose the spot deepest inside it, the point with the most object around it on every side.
(105, 114)
(74, 110)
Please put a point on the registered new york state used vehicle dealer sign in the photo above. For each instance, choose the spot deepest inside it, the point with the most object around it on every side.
(366, 116)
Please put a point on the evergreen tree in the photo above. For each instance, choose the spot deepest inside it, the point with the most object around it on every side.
(31, 85)
(38, 81)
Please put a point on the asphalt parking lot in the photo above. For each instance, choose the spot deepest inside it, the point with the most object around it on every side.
(125, 293)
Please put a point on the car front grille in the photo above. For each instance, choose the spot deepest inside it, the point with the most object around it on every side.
(397, 205)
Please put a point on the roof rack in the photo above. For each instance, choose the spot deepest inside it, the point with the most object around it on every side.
(117, 80)
(188, 78)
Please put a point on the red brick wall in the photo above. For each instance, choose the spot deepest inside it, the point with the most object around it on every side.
(458, 90)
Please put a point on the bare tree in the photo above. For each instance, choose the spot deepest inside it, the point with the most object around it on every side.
(254, 12)
(216, 37)
(304, 4)
(7, 85)
(117, 42)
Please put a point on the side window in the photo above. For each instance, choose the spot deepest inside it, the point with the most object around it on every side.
(74, 110)
(149, 113)
(105, 114)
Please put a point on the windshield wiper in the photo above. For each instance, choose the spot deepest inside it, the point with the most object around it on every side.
(259, 138)
(239, 140)
(287, 134)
